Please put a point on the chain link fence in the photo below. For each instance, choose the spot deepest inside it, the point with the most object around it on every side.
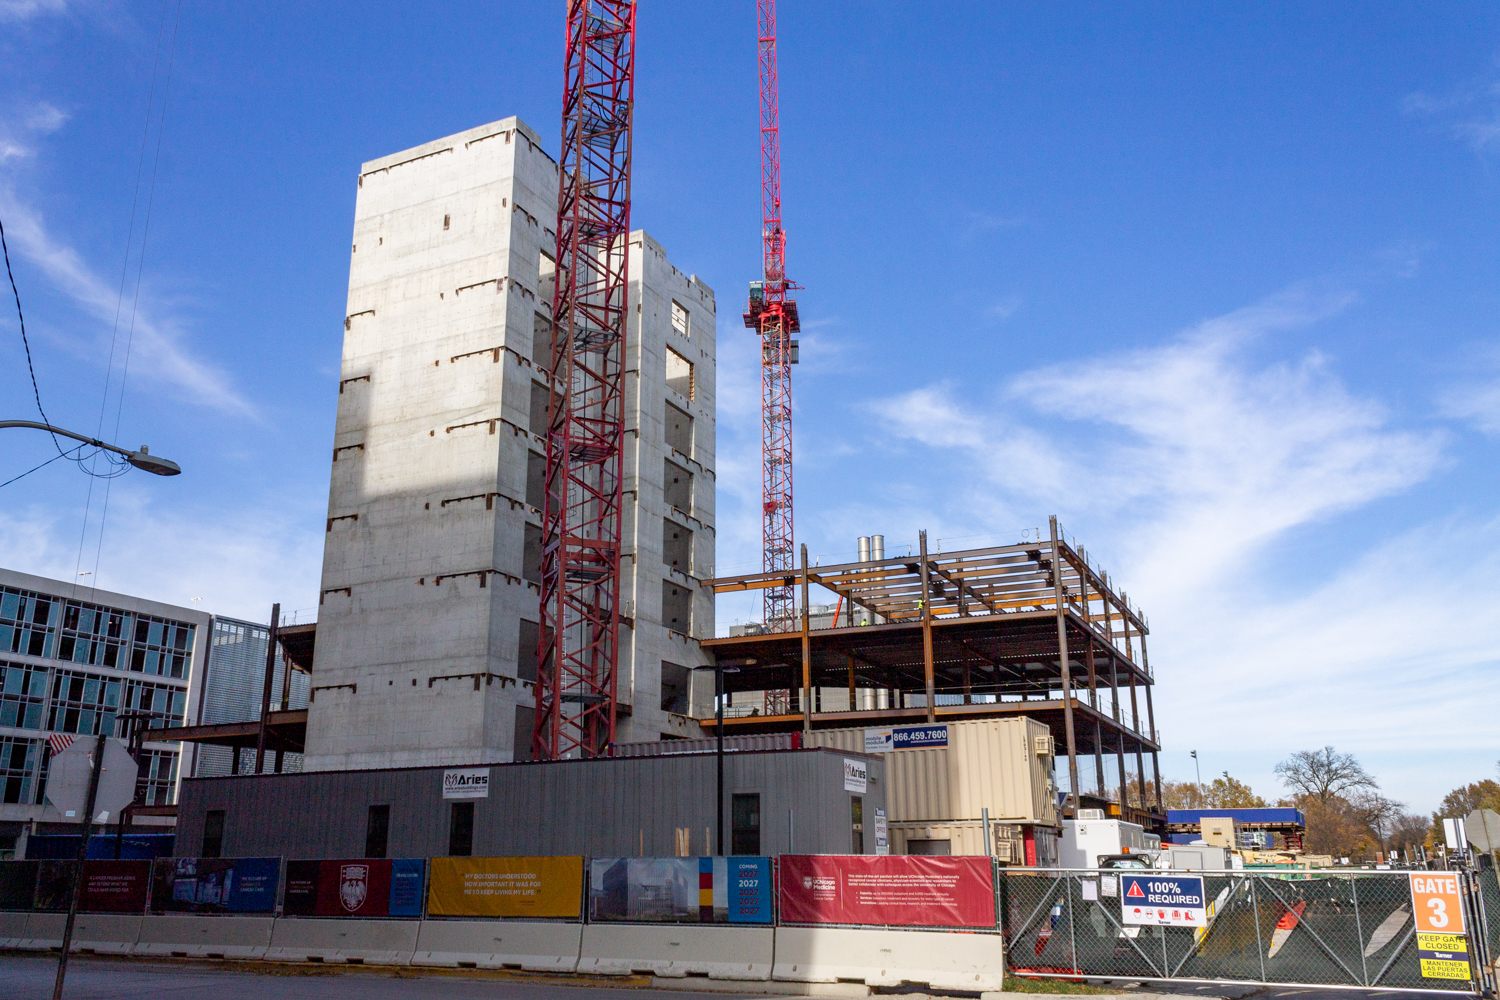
(1310, 928)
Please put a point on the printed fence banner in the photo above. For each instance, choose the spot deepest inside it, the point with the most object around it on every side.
(887, 890)
(54, 885)
(215, 885)
(115, 886)
(506, 887)
(17, 884)
(365, 887)
(734, 890)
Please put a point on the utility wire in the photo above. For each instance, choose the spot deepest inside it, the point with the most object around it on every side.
(44, 464)
(25, 342)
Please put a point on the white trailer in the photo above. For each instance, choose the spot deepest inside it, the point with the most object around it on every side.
(1084, 841)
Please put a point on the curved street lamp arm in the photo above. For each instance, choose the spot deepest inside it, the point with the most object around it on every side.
(68, 434)
(142, 459)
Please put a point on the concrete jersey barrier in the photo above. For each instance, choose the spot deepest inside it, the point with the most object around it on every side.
(325, 939)
(876, 957)
(495, 944)
(103, 933)
(675, 950)
(12, 927)
(204, 937)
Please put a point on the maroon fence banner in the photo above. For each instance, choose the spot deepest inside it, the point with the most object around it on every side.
(365, 887)
(887, 890)
(115, 886)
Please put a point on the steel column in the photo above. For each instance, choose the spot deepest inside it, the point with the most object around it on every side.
(928, 678)
(1062, 653)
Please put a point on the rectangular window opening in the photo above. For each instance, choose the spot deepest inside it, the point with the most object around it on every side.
(680, 320)
(213, 834)
(745, 825)
(461, 830)
(679, 428)
(679, 374)
(677, 547)
(377, 831)
(676, 688)
(677, 486)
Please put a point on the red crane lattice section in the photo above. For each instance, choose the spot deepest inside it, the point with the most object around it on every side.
(774, 315)
(578, 652)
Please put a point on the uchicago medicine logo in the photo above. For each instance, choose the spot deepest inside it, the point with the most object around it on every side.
(354, 886)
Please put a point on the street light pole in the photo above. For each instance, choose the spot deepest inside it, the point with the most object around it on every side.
(1199, 771)
(720, 669)
(142, 459)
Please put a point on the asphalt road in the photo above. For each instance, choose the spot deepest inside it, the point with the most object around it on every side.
(27, 977)
(30, 977)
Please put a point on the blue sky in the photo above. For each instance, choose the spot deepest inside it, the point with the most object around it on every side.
(1215, 285)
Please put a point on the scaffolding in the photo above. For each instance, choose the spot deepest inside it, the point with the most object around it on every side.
(1030, 629)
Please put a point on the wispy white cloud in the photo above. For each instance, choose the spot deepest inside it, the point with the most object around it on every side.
(1005, 307)
(159, 352)
(1470, 111)
(1202, 470)
(239, 561)
(1476, 399)
(18, 130)
(26, 10)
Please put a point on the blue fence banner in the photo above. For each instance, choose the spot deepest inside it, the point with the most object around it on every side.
(680, 890)
(215, 885)
(1163, 900)
(407, 886)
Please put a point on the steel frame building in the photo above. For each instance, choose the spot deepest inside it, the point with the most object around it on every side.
(1030, 629)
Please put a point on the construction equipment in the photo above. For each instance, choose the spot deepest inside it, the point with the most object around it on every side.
(578, 652)
(774, 314)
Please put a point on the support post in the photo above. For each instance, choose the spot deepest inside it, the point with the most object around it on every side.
(1062, 653)
(265, 696)
(719, 736)
(1156, 775)
(806, 652)
(852, 706)
(87, 829)
(927, 669)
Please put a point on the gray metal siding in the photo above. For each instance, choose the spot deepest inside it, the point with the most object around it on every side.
(617, 807)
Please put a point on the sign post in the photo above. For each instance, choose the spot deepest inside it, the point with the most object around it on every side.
(87, 823)
(1437, 906)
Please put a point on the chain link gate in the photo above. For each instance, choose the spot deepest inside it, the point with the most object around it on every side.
(1305, 928)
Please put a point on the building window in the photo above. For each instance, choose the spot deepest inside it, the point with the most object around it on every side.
(676, 607)
(377, 831)
(676, 688)
(536, 480)
(541, 339)
(27, 622)
(156, 779)
(540, 396)
(744, 811)
(162, 647)
(856, 824)
(531, 555)
(679, 374)
(93, 635)
(526, 648)
(677, 547)
(546, 289)
(677, 486)
(18, 760)
(22, 693)
(522, 747)
(213, 833)
(83, 703)
(461, 829)
(680, 321)
(166, 703)
(679, 428)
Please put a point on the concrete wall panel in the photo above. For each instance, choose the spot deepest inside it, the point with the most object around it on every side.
(496, 944)
(204, 937)
(370, 942)
(942, 960)
(677, 950)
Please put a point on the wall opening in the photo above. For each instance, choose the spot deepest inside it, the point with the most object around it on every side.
(546, 285)
(526, 650)
(676, 686)
(681, 322)
(536, 478)
(377, 831)
(744, 837)
(538, 417)
(679, 428)
(677, 486)
(679, 374)
(531, 555)
(213, 834)
(541, 342)
(460, 829)
(676, 607)
(677, 547)
(525, 723)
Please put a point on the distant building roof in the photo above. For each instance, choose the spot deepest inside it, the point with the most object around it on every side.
(1250, 818)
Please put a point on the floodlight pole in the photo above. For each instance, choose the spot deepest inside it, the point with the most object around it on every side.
(83, 853)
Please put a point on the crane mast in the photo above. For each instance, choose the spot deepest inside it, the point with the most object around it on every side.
(578, 651)
(774, 315)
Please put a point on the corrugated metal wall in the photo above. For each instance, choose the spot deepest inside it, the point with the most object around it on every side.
(988, 763)
(603, 808)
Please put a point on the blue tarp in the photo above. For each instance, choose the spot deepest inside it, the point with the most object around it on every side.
(135, 847)
(1269, 817)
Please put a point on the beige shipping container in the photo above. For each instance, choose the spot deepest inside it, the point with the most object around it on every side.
(1003, 765)
(1006, 840)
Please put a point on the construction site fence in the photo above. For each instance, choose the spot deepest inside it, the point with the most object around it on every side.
(1321, 928)
(897, 892)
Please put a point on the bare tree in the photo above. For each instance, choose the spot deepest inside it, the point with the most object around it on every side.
(1408, 830)
(1323, 774)
(1378, 813)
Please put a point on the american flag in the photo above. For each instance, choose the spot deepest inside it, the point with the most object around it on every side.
(59, 742)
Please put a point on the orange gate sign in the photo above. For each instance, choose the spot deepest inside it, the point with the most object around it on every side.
(1436, 904)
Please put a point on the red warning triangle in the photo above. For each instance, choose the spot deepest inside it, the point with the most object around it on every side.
(1134, 890)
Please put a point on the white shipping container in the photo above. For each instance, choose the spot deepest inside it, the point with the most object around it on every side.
(1085, 840)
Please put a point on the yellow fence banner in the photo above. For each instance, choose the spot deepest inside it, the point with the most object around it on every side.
(506, 887)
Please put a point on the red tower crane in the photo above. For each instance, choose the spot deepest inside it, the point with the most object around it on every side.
(774, 314)
(578, 652)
